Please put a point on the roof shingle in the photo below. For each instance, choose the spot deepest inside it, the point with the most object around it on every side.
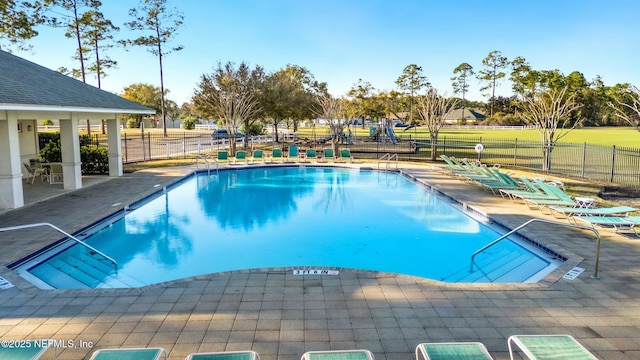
(25, 83)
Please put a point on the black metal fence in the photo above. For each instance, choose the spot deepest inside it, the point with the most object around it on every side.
(619, 165)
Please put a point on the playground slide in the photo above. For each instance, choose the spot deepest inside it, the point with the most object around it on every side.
(392, 135)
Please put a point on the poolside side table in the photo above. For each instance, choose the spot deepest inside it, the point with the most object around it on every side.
(584, 202)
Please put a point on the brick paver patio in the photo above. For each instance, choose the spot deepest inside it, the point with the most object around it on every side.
(281, 315)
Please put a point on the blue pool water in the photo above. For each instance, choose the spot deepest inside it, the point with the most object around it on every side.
(289, 217)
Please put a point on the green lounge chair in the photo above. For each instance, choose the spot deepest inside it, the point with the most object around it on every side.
(258, 155)
(32, 350)
(312, 154)
(327, 154)
(453, 351)
(223, 155)
(569, 212)
(241, 155)
(338, 355)
(293, 153)
(561, 199)
(617, 223)
(225, 355)
(130, 354)
(276, 154)
(345, 154)
(452, 166)
(530, 190)
(549, 347)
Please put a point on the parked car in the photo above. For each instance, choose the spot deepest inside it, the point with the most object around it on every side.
(224, 134)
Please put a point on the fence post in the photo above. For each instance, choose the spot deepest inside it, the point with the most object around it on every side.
(184, 145)
(613, 163)
(584, 158)
(149, 142)
(126, 149)
(144, 156)
(515, 153)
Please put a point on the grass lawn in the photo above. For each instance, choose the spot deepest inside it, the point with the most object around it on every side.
(608, 136)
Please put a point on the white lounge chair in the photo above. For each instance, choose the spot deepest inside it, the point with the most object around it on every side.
(225, 355)
(549, 347)
(453, 351)
(568, 212)
(617, 223)
(130, 354)
(28, 350)
(338, 355)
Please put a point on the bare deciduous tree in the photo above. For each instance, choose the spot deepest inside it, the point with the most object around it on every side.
(551, 113)
(433, 109)
(627, 106)
(233, 109)
(332, 110)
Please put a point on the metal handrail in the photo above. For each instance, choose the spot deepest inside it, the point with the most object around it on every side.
(595, 273)
(27, 226)
(206, 161)
(389, 157)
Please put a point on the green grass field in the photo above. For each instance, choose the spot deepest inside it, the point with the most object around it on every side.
(608, 136)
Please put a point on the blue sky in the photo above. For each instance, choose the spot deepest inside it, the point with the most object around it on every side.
(341, 41)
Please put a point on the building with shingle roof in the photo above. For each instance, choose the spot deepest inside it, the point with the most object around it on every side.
(30, 92)
(469, 115)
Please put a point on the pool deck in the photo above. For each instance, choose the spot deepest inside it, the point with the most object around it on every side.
(281, 316)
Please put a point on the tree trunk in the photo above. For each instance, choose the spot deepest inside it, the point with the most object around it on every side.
(434, 146)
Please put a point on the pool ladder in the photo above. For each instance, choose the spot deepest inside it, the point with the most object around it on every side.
(27, 226)
(597, 261)
(388, 157)
(206, 159)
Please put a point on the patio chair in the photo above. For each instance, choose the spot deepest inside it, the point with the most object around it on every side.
(276, 153)
(56, 174)
(130, 354)
(293, 153)
(453, 351)
(225, 355)
(312, 154)
(569, 212)
(617, 223)
(33, 172)
(241, 155)
(257, 155)
(327, 154)
(338, 355)
(345, 154)
(549, 347)
(33, 351)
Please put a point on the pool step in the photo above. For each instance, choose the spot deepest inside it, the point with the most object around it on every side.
(80, 268)
(499, 265)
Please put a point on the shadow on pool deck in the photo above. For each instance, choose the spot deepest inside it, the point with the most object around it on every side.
(281, 315)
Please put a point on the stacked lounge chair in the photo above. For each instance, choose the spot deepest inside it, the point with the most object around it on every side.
(489, 177)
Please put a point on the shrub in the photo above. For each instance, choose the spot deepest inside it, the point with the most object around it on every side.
(132, 123)
(254, 129)
(189, 123)
(51, 151)
(94, 160)
(46, 122)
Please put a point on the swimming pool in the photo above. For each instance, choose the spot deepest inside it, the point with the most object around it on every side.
(290, 217)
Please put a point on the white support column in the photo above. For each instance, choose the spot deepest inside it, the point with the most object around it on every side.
(70, 146)
(115, 146)
(11, 194)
